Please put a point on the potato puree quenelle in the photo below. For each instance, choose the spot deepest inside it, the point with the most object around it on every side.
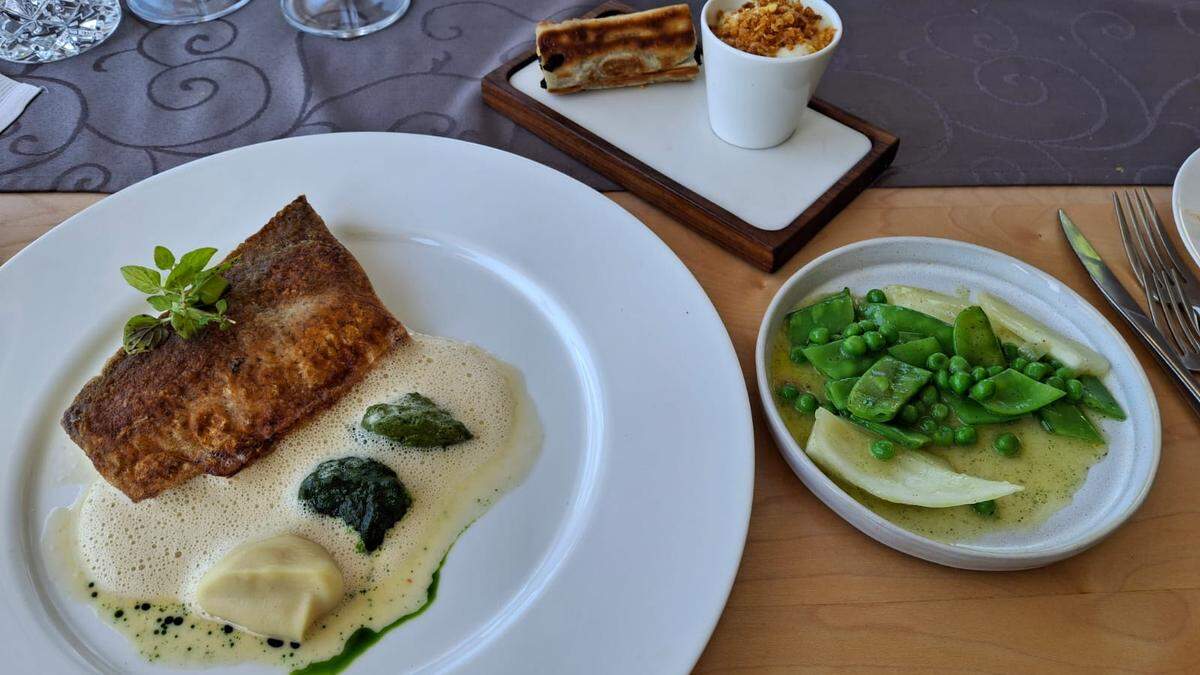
(144, 562)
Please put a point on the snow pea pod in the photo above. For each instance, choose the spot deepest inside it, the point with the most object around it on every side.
(905, 319)
(882, 390)
(832, 362)
(838, 391)
(970, 412)
(1097, 397)
(974, 339)
(917, 352)
(1064, 418)
(833, 313)
(1018, 394)
(908, 439)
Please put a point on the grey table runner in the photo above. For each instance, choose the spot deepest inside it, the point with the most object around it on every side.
(990, 93)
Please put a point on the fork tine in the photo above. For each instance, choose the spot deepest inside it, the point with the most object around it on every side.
(1176, 297)
(1181, 345)
(1136, 250)
(1158, 261)
(1135, 260)
(1176, 262)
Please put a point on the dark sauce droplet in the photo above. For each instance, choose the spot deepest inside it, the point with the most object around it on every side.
(91, 584)
(295, 645)
(542, 84)
(94, 594)
(178, 621)
(275, 642)
(227, 628)
(118, 614)
(553, 62)
(145, 606)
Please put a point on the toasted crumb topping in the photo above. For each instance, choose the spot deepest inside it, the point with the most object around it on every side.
(773, 28)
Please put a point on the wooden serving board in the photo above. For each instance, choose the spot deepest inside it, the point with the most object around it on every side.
(765, 244)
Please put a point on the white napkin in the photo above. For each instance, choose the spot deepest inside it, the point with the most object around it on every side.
(14, 96)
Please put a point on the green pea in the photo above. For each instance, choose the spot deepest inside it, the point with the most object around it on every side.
(927, 426)
(909, 413)
(944, 436)
(978, 373)
(868, 325)
(958, 364)
(937, 361)
(1007, 444)
(876, 295)
(929, 395)
(796, 355)
(1074, 389)
(941, 379)
(874, 340)
(1019, 363)
(883, 449)
(939, 411)
(890, 333)
(960, 382)
(965, 435)
(852, 329)
(1037, 370)
(807, 403)
(818, 335)
(1066, 373)
(995, 370)
(854, 345)
(987, 508)
(1056, 382)
(984, 390)
(788, 391)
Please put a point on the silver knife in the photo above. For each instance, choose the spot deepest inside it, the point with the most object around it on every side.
(1120, 299)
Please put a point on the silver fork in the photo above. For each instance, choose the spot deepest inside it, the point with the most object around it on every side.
(1162, 276)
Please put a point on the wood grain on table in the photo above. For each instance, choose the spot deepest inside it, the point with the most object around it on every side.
(815, 594)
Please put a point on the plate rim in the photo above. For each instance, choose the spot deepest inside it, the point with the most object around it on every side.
(894, 536)
(739, 419)
(1189, 169)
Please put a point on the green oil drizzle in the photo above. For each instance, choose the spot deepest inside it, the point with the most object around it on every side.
(364, 637)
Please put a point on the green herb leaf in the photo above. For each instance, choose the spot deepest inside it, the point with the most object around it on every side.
(211, 289)
(163, 258)
(188, 267)
(160, 302)
(143, 333)
(184, 323)
(190, 297)
(144, 279)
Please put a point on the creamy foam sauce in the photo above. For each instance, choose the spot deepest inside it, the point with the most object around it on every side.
(144, 560)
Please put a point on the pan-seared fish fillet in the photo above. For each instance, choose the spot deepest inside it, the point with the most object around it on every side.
(309, 327)
(658, 45)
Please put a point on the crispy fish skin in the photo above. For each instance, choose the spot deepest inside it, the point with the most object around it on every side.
(308, 327)
(657, 45)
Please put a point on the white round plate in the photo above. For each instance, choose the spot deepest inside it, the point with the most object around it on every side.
(1115, 486)
(1185, 204)
(618, 551)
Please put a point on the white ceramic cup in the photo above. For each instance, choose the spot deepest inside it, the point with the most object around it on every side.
(758, 101)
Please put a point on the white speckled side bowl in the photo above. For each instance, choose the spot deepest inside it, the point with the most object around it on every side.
(1115, 486)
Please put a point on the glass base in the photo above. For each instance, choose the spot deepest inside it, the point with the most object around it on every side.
(37, 31)
(342, 19)
(177, 12)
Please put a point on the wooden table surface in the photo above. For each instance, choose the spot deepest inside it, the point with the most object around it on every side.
(815, 594)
